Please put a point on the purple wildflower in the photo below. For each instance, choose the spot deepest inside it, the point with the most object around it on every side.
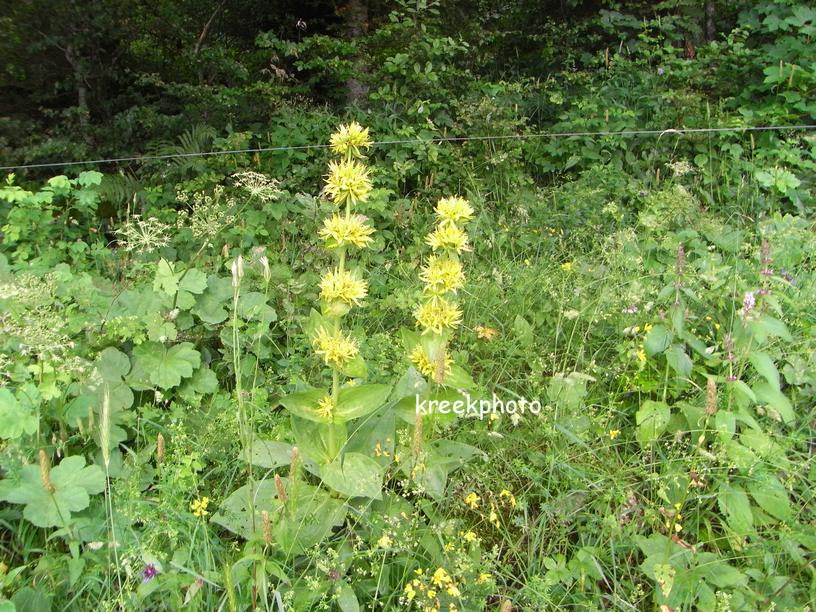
(749, 301)
(149, 572)
(660, 72)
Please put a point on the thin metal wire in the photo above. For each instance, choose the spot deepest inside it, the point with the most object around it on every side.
(678, 131)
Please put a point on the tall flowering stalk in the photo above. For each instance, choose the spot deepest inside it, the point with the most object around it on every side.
(347, 185)
(439, 314)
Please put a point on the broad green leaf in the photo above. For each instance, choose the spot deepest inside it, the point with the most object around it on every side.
(16, 419)
(718, 572)
(306, 519)
(657, 340)
(347, 600)
(651, 419)
(210, 305)
(166, 279)
(112, 364)
(192, 281)
(679, 361)
(312, 439)
(409, 385)
(767, 394)
(203, 382)
(734, 504)
(89, 178)
(459, 378)
(726, 425)
(163, 366)
(354, 475)
(523, 330)
(253, 306)
(270, 454)
(358, 401)
(765, 367)
(73, 483)
(356, 368)
(770, 495)
(374, 436)
(304, 404)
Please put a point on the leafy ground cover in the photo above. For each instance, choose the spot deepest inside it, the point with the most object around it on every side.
(210, 366)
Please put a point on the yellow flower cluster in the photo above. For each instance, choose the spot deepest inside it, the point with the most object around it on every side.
(425, 590)
(335, 347)
(349, 140)
(199, 507)
(325, 407)
(454, 210)
(348, 182)
(448, 237)
(438, 315)
(442, 273)
(340, 232)
(342, 286)
(428, 368)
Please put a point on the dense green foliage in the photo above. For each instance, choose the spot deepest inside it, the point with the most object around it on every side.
(165, 436)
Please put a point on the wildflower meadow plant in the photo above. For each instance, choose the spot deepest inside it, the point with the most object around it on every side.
(350, 435)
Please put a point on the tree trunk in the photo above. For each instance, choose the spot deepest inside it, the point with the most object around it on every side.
(711, 31)
(355, 15)
(81, 79)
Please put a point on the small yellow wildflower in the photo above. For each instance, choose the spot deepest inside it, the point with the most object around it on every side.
(428, 368)
(442, 275)
(199, 507)
(431, 594)
(350, 139)
(339, 231)
(472, 500)
(438, 314)
(493, 518)
(641, 355)
(385, 541)
(441, 578)
(454, 210)
(342, 286)
(325, 407)
(448, 237)
(469, 536)
(647, 328)
(483, 577)
(347, 181)
(614, 433)
(486, 333)
(567, 266)
(336, 348)
(510, 497)
(409, 591)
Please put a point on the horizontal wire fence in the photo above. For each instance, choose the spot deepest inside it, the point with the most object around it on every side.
(451, 139)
